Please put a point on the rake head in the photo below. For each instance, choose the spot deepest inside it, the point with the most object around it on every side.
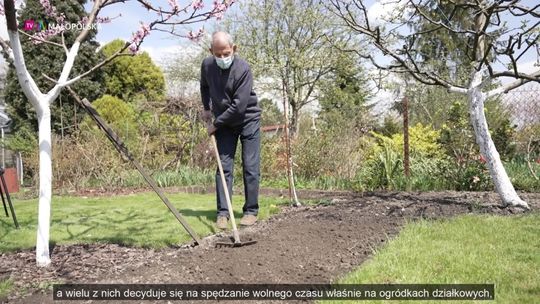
(234, 244)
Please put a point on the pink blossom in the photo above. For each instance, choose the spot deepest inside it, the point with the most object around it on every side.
(482, 159)
(133, 48)
(219, 8)
(195, 37)
(197, 4)
(60, 19)
(218, 15)
(142, 32)
(173, 5)
(138, 37)
(46, 34)
(146, 28)
(50, 10)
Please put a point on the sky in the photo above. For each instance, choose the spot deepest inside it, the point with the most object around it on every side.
(378, 10)
(128, 16)
(162, 46)
(159, 45)
(127, 19)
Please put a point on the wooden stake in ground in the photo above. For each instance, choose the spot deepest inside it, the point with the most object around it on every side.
(406, 161)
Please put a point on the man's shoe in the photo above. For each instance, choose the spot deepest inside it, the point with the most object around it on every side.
(248, 220)
(222, 222)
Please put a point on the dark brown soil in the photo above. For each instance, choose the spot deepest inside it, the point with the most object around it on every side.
(310, 244)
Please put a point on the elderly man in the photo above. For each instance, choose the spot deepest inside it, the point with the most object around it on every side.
(227, 94)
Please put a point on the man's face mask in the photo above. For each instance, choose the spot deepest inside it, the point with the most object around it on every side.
(224, 63)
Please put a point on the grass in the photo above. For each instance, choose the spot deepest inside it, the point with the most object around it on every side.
(522, 177)
(5, 287)
(138, 220)
(422, 179)
(184, 176)
(467, 249)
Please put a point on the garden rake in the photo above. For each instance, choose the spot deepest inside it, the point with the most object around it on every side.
(236, 235)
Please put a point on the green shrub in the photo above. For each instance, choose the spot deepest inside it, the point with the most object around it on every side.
(387, 164)
(427, 174)
(503, 138)
(474, 176)
(114, 110)
(384, 166)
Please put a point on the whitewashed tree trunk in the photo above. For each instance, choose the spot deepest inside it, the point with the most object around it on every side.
(41, 103)
(500, 178)
(45, 185)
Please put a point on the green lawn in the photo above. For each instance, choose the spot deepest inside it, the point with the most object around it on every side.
(138, 219)
(467, 249)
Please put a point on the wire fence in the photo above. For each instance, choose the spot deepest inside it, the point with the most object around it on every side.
(523, 106)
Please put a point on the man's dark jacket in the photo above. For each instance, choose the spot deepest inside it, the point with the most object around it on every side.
(230, 91)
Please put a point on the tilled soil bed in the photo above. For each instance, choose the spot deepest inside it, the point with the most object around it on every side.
(309, 244)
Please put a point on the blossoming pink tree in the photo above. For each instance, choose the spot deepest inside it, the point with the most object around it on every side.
(167, 19)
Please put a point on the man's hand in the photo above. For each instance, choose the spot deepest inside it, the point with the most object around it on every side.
(211, 129)
(207, 116)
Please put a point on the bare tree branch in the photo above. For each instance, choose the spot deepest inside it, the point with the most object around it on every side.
(40, 39)
(118, 53)
(91, 18)
(485, 45)
(6, 51)
(523, 79)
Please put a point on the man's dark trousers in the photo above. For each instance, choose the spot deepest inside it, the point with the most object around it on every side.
(227, 140)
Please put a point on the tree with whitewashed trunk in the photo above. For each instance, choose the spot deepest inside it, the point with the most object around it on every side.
(502, 33)
(168, 17)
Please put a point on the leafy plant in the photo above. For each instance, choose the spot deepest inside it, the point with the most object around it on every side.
(386, 162)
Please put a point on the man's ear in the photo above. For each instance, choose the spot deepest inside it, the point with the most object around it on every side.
(234, 48)
(210, 50)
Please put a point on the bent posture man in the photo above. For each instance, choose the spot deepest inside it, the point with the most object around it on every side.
(227, 92)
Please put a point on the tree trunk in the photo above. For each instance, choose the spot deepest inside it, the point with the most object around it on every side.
(290, 173)
(45, 185)
(500, 178)
(294, 121)
(293, 127)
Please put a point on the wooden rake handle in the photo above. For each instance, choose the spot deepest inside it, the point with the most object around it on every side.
(226, 190)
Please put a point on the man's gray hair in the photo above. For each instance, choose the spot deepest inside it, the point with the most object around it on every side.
(228, 37)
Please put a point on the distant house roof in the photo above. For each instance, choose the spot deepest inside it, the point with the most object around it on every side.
(273, 128)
